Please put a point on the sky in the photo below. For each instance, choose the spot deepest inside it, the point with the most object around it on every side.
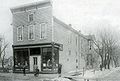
(84, 15)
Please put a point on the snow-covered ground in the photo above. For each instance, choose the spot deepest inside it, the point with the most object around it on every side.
(90, 74)
(61, 79)
(113, 73)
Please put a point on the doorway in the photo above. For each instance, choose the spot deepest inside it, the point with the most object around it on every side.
(35, 63)
(35, 59)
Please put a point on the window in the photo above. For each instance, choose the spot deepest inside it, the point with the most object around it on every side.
(30, 32)
(67, 59)
(76, 40)
(69, 52)
(20, 33)
(76, 53)
(89, 59)
(30, 17)
(35, 60)
(76, 60)
(43, 27)
(90, 44)
(71, 38)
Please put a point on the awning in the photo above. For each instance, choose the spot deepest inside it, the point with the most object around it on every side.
(36, 45)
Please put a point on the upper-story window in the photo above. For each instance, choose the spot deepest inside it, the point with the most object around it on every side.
(31, 32)
(76, 40)
(90, 44)
(20, 33)
(43, 30)
(69, 52)
(30, 17)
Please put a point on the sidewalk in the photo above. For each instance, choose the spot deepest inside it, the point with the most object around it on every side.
(28, 77)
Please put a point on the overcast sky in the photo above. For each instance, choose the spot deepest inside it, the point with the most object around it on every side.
(84, 15)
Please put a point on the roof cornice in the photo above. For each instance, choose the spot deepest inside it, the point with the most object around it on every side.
(31, 5)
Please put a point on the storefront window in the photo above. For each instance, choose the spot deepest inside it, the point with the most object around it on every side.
(21, 58)
(50, 61)
(47, 58)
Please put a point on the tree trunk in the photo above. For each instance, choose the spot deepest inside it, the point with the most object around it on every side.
(108, 61)
(105, 61)
(101, 66)
(115, 60)
(3, 61)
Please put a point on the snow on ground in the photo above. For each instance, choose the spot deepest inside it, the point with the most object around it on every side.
(60, 79)
(92, 74)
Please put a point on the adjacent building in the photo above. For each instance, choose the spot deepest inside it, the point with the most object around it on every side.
(41, 40)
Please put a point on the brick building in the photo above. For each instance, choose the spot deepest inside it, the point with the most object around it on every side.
(41, 40)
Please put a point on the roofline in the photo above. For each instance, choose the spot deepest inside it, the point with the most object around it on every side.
(65, 25)
(31, 4)
(68, 27)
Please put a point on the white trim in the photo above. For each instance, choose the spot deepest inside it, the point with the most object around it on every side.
(30, 10)
(37, 8)
(33, 32)
(17, 33)
(32, 46)
(19, 12)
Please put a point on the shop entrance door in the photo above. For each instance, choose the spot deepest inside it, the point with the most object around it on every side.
(35, 59)
(35, 63)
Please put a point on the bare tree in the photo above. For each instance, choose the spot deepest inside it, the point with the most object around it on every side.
(3, 46)
(106, 44)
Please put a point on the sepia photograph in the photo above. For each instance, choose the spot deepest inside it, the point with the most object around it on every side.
(59, 40)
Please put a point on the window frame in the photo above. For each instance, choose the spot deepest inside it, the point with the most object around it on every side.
(29, 32)
(76, 39)
(45, 30)
(69, 52)
(21, 33)
(29, 17)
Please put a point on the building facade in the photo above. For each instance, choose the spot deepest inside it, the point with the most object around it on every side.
(41, 40)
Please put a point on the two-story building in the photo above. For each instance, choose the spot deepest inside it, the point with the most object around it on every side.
(41, 40)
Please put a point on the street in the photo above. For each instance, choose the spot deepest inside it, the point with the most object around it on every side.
(28, 77)
(31, 77)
